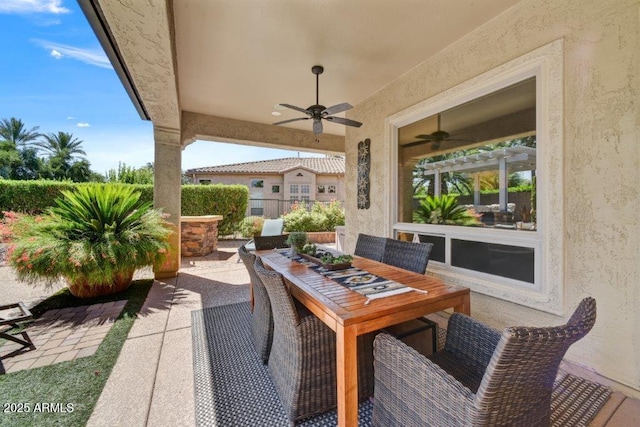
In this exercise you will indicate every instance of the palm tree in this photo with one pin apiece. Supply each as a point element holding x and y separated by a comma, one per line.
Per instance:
<point>14,131</point>
<point>63,150</point>
<point>62,146</point>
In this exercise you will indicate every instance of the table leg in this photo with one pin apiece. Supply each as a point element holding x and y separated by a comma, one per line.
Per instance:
<point>347,371</point>
<point>465,307</point>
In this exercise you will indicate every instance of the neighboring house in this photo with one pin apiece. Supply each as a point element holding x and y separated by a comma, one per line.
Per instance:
<point>273,184</point>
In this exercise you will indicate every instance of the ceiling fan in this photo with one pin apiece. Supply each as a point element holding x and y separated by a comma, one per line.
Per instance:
<point>319,112</point>
<point>435,138</point>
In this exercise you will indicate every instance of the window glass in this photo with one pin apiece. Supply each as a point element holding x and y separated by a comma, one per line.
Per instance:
<point>304,188</point>
<point>513,262</point>
<point>293,188</point>
<point>472,165</point>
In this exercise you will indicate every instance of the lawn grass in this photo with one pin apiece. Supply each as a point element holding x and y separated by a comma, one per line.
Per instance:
<point>75,385</point>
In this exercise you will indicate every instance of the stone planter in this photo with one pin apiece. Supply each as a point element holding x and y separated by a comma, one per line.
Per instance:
<point>322,237</point>
<point>199,234</point>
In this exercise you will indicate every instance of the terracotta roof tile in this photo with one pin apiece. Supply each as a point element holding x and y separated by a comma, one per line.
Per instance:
<point>319,165</point>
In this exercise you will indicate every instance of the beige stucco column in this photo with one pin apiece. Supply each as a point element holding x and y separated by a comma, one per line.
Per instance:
<point>167,192</point>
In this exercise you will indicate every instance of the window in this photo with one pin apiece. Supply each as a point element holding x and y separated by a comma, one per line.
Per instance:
<point>275,188</point>
<point>474,165</point>
<point>304,188</point>
<point>204,181</point>
<point>331,189</point>
<point>495,144</point>
<point>293,189</point>
<point>257,183</point>
<point>320,189</point>
<point>305,198</point>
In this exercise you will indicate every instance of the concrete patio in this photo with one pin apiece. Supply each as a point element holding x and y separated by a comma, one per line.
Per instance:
<point>152,383</point>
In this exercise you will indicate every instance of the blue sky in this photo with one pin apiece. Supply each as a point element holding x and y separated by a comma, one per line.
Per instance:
<point>55,75</point>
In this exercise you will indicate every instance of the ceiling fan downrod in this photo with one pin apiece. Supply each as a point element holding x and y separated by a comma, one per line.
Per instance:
<point>317,70</point>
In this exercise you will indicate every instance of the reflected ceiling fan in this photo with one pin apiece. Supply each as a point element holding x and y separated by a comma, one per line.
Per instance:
<point>318,112</point>
<point>435,138</point>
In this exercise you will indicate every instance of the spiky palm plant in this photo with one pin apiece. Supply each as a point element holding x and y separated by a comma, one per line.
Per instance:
<point>444,209</point>
<point>95,238</point>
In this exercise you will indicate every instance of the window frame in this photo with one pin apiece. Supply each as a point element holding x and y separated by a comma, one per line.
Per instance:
<point>547,294</point>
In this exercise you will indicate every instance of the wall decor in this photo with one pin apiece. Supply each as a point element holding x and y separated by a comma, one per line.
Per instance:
<point>364,167</point>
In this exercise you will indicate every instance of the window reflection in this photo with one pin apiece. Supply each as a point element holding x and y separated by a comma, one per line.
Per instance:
<point>474,164</point>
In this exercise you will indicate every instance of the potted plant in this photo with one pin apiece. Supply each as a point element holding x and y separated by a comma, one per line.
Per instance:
<point>297,240</point>
<point>94,238</point>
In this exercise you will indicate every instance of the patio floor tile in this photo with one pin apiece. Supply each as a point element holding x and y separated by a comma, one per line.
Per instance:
<point>66,356</point>
<point>64,334</point>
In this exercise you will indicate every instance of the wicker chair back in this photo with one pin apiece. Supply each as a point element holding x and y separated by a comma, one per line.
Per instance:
<point>262,318</point>
<point>407,255</point>
<point>524,366</point>
<point>371,247</point>
<point>271,242</point>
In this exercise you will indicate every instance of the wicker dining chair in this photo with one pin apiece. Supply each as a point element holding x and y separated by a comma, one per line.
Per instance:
<point>407,255</point>
<point>262,318</point>
<point>271,242</point>
<point>413,257</point>
<point>302,363</point>
<point>270,227</point>
<point>371,247</point>
<point>481,378</point>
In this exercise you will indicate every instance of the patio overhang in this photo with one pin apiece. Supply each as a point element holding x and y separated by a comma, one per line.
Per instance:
<point>195,71</point>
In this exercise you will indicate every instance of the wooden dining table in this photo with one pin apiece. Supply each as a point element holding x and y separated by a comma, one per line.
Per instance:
<point>348,314</point>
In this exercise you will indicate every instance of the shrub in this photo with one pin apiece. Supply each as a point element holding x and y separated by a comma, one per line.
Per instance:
<point>230,201</point>
<point>7,223</point>
<point>319,217</point>
<point>444,209</point>
<point>333,213</point>
<point>95,237</point>
<point>251,226</point>
<point>32,197</point>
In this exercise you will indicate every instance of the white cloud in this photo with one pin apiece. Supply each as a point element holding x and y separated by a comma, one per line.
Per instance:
<point>32,6</point>
<point>83,125</point>
<point>70,118</point>
<point>89,56</point>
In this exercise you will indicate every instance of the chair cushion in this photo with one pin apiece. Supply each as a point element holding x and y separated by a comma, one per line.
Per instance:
<point>272,227</point>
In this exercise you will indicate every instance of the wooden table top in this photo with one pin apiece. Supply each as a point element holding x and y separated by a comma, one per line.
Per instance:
<point>326,298</point>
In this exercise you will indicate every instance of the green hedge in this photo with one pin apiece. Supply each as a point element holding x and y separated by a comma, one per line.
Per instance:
<point>230,201</point>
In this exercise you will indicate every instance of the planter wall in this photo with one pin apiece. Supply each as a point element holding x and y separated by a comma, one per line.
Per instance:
<point>199,235</point>
<point>322,237</point>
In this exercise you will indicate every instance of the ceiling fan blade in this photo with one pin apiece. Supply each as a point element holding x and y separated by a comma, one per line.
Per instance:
<point>293,107</point>
<point>317,126</point>
<point>343,121</point>
<point>425,137</point>
<point>291,120</point>
<point>338,108</point>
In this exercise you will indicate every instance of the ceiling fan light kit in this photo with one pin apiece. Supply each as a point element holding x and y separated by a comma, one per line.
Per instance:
<point>318,112</point>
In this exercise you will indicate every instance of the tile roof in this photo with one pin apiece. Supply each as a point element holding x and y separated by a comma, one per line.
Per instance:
<point>319,165</point>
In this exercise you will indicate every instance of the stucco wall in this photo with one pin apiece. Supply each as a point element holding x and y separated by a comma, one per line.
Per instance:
<point>600,153</point>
